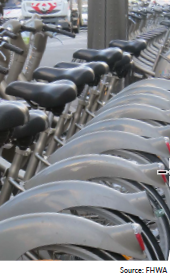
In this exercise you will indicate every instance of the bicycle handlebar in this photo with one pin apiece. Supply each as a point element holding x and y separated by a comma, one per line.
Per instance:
<point>13,48</point>
<point>57,30</point>
<point>28,29</point>
<point>8,34</point>
<point>63,32</point>
<point>3,70</point>
<point>49,28</point>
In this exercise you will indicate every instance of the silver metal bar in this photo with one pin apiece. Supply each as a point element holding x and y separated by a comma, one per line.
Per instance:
<point>15,184</point>
<point>12,172</point>
<point>42,159</point>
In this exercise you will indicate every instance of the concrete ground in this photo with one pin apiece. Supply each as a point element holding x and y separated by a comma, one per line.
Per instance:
<point>58,52</point>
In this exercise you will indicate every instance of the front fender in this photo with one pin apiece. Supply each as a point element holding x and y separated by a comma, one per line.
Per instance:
<point>128,125</point>
<point>23,233</point>
<point>164,131</point>
<point>108,141</point>
<point>147,99</point>
<point>135,111</point>
<point>89,167</point>
<point>152,82</point>
<point>145,89</point>
<point>57,196</point>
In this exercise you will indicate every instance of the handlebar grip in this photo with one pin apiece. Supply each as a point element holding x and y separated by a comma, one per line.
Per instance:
<point>28,29</point>
<point>13,48</point>
<point>3,70</point>
<point>49,28</point>
<point>63,32</point>
<point>9,34</point>
<point>59,31</point>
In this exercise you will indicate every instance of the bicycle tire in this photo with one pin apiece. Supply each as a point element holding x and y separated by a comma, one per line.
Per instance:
<point>151,244</point>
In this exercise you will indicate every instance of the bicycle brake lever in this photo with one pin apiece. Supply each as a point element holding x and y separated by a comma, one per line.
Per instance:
<point>1,53</point>
<point>4,57</point>
<point>58,39</point>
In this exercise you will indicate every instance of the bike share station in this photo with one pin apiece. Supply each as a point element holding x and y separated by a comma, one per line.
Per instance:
<point>89,184</point>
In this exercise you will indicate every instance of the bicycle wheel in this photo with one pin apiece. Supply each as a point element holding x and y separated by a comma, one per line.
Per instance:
<point>69,253</point>
<point>159,227</point>
<point>144,158</point>
<point>112,218</point>
<point>140,157</point>
<point>149,240</point>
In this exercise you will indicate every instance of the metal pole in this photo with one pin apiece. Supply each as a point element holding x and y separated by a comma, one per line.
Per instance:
<point>107,20</point>
<point>80,9</point>
<point>71,5</point>
<point>12,172</point>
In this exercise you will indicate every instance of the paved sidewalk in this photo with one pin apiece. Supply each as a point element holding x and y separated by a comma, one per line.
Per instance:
<point>56,52</point>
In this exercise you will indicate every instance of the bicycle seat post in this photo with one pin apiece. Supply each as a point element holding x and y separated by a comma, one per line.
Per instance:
<point>12,174</point>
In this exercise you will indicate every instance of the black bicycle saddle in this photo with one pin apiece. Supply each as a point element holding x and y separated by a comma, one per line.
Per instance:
<point>53,96</point>
<point>38,122</point>
<point>109,56</point>
<point>165,23</point>
<point>12,114</point>
<point>134,47</point>
<point>80,76</point>
<point>99,68</point>
<point>167,15</point>
<point>135,16</point>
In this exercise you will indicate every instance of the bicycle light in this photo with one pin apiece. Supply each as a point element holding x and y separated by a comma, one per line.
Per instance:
<point>162,171</point>
<point>167,143</point>
<point>138,230</point>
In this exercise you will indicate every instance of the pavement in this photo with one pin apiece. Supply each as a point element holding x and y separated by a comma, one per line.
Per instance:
<point>57,52</point>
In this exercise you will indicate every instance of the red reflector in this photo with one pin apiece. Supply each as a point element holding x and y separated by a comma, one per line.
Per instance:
<point>168,146</point>
<point>140,240</point>
<point>164,178</point>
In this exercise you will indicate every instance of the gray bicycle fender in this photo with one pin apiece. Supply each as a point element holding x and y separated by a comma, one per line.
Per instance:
<point>142,98</point>
<point>89,167</point>
<point>145,89</point>
<point>70,194</point>
<point>154,82</point>
<point>20,234</point>
<point>134,111</point>
<point>129,125</point>
<point>108,141</point>
<point>164,131</point>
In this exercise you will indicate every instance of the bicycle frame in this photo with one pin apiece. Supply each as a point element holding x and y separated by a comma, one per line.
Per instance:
<point>27,62</point>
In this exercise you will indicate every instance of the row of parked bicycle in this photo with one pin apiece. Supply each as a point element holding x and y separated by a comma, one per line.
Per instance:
<point>84,183</point>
